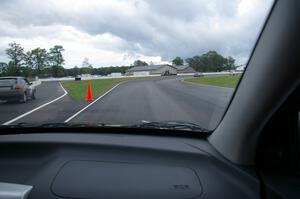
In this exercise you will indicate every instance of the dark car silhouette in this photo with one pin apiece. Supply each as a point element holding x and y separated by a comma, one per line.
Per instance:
<point>16,89</point>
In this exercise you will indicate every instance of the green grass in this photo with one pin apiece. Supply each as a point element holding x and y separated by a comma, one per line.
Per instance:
<point>78,89</point>
<point>221,81</point>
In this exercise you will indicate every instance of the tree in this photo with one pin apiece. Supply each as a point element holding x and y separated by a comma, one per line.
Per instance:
<point>139,63</point>
<point>3,68</point>
<point>210,62</point>
<point>86,70</point>
<point>230,64</point>
<point>86,64</point>
<point>28,59</point>
<point>39,59</point>
<point>56,60</point>
<point>177,61</point>
<point>12,70</point>
<point>16,54</point>
<point>55,56</point>
<point>76,71</point>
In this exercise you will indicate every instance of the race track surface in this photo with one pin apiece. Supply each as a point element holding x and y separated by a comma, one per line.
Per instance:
<point>167,99</point>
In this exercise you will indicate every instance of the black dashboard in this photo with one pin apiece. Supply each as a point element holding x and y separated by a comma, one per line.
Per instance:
<point>90,166</point>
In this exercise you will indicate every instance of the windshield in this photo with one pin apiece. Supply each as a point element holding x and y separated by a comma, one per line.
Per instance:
<point>137,63</point>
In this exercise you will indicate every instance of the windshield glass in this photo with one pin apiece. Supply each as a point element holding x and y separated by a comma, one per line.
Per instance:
<point>138,63</point>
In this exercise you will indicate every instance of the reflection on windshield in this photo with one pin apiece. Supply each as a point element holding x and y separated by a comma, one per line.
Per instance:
<point>123,63</point>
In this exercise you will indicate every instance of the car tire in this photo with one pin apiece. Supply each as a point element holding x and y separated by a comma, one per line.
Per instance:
<point>23,98</point>
<point>11,101</point>
<point>33,95</point>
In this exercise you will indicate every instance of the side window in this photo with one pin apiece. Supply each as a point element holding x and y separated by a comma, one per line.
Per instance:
<point>23,82</point>
<point>26,81</point>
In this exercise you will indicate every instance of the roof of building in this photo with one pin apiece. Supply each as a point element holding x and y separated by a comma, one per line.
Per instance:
<point>147,68</point>
<point>241,67</point>
<point>182,67</point>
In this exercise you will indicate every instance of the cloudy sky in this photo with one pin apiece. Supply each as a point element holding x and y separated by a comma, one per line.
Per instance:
<point>117,32</point>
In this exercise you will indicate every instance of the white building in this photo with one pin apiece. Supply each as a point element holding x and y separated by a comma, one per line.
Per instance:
<point>115,75</point>
<point>152,70</point>
<point>240,68</point>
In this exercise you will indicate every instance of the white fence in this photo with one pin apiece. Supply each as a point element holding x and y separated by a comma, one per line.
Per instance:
<point>108,77</point>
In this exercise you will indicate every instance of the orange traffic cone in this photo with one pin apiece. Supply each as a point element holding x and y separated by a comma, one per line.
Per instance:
<point>89,96</point>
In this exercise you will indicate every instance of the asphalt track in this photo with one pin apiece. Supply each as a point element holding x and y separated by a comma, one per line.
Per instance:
<point>45,92</point>
<point>129,103</point>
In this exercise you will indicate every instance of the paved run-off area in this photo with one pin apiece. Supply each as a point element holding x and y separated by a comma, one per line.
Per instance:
<point>129,103</point>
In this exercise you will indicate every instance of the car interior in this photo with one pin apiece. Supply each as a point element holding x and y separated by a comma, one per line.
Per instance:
<point>253,153</point>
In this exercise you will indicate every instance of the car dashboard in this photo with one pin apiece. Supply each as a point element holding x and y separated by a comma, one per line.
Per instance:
<point>89,165</point>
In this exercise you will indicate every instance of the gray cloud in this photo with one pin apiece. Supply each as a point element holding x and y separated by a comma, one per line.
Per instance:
<point>166,28</point>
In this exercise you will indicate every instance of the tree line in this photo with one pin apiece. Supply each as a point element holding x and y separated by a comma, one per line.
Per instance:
<point>43,63</point>
<point>208,62</point>
<point>35,62</point>
<point>103,71</point>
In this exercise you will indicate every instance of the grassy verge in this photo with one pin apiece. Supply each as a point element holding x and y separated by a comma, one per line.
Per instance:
<point>221,81</point>
<point>78,89</point>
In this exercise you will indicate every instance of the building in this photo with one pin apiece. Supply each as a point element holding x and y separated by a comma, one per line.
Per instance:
<point>240,68</point>
<point>164,69</point>
<point>184,69</point>
<point>115,75</point>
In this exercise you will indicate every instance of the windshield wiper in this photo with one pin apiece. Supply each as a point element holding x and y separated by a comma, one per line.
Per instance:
<point>171,125</point>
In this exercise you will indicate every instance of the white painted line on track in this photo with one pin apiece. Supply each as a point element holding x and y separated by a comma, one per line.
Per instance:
<point>37,108</point>
<point>76,114</point>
